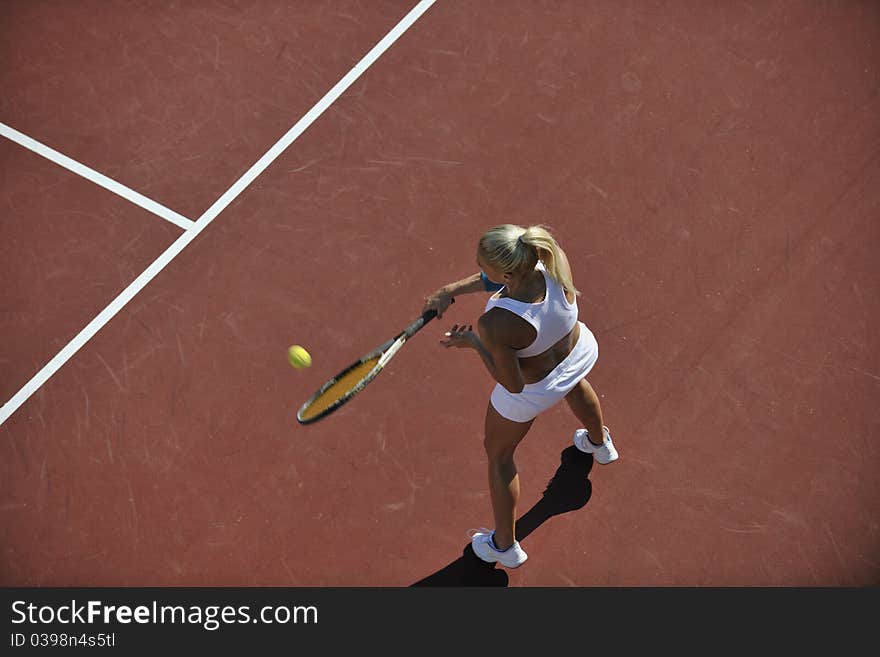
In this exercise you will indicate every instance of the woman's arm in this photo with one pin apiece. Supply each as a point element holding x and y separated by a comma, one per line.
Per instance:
<point>500,360</point>
<point>472,283</point>
<point>495,342</point>
<point>442,298</point>
<point>465,337</point>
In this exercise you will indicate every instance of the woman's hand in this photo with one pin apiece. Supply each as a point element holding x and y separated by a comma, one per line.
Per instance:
<point>439,301</point>
<point>460,336</point>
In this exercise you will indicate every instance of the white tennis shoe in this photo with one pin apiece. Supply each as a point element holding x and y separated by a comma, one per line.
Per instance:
<point>604,453</point>
<point>484,547</point>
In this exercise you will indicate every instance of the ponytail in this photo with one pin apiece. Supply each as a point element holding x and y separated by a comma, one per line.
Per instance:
<point>551,254</point>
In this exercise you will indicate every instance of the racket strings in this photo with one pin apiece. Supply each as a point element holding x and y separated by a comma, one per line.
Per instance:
<point>344,385</point>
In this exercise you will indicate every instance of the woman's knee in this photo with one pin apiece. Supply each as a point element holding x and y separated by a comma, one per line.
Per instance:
<point>500,445</point>
<point>498,450</point>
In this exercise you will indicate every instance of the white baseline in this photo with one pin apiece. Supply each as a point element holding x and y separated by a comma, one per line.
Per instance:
<point>211,213</point>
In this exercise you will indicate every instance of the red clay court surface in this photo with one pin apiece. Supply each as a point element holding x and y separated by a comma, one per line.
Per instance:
<point>712,169</point>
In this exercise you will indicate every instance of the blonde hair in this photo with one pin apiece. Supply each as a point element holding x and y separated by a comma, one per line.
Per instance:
<point>511,248</point>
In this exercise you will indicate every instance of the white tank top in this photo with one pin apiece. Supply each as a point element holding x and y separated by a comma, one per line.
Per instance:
<point>553,318</point>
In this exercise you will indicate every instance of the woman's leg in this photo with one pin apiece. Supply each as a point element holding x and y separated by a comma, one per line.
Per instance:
<point>584,403</point>
<point>502,437</point>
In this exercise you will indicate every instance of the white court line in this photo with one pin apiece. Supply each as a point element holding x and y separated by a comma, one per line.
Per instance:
<point>210,214</point>
<point>95,177</point>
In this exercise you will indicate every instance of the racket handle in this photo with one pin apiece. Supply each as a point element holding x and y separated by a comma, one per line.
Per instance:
<point>426,317</point>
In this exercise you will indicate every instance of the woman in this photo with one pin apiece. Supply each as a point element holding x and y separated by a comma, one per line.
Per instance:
<point>533,345</point>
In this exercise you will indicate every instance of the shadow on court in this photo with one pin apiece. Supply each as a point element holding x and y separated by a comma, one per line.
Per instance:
<point>568,490</point>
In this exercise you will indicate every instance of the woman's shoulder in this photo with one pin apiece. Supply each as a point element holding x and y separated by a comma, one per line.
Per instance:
<point>496,316</point>
<point>498,320</point>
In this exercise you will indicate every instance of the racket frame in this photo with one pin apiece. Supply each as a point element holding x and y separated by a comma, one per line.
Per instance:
<point>385,351</point>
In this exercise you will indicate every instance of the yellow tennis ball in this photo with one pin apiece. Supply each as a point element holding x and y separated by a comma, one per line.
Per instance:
<point>298,357</point>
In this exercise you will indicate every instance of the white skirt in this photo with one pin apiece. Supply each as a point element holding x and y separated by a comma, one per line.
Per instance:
<point>537,397</point>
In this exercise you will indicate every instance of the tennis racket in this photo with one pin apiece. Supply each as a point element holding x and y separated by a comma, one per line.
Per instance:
<point>354,378</point>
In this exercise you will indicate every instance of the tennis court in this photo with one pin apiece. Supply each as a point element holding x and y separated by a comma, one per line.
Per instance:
<point>189,188</point>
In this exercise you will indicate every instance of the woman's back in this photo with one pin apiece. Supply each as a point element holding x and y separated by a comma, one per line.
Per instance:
<point>541,326</point>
